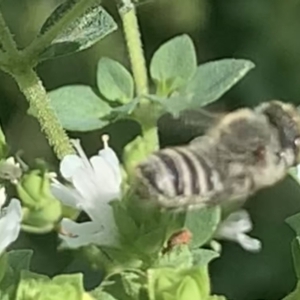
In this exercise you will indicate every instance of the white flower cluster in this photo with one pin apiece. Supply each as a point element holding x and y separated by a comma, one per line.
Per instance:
<point>94,183</point>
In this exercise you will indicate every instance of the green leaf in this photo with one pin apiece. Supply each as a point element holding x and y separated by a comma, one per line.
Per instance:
<point>202,257</point>
<point>124,258</point>
<point>36,286</point>
<point>209,83</point>
<point>99,294</point>
<point>202,224</point>
<point>124,221</point>
<point>132,284</point>
<point>19,259</point>
<point>3,265</point>
<point>293,172</point>
<point>122,111</point>
<point>3,145</point>
<point>151,242</point>
<point>171,283</point>
<point>4,295</point>
<point>178,257</point>
<point>294,222</point>
<point>216,297</point>
<point>213,79</point>
<point>114,81</point>
<point>296,255</point>
<point>79,108</point>
<point>81,34</point>
<point>295,295</point>
<point>173,64</point>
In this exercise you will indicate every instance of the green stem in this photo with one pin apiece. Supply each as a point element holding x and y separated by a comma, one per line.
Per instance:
<point>34,91</point>
<point>6,39</point>
<point>19,66</point>
<point>43,41</point>
<point>135,48</point>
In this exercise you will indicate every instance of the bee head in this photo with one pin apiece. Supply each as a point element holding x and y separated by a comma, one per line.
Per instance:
<point>286,119</point>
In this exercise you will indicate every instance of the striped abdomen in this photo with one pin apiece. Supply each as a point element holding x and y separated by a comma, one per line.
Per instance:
<point>179,171</point>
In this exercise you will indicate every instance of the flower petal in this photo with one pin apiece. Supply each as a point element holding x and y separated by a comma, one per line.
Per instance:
<point>10,224</point>
<point>237,222</point>
<point>2,197</point>
<point>110,156</point>
<point>248,243</point>
<point>67,195</point>
<point>234,228</point>
<point>94,195</point>
<point>87,233</point>
<point>69,165</point>
<point>105,174</point>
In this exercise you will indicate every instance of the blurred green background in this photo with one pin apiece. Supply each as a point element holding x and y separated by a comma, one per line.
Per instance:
<point>264,31</point>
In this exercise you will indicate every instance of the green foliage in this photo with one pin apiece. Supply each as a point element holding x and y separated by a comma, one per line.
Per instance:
<point>295,295</point>
<point>99,294</point>
<point>147,265</point>
<point>296,255</point>
<point>37,287</point>
<point>3,145</point>
<point>79,108</point>
<point>211,80</point>
<point>180,85</point>
<point>114,81</point>
<point>294,222</point>
<point>178,284</point>
<point>202,223</point>
<point>12,265</point>
<point>173,64</point>
<point>81,34</point>
<point>202,257</point>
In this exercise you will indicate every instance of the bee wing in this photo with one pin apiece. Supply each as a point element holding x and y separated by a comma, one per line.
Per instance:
<point>189,125</point>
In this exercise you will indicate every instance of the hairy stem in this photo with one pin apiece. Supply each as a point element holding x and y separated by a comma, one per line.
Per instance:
<point>134,45</point>
<point>19,66</point>
<point>144,113</point>
<point>34,91</point>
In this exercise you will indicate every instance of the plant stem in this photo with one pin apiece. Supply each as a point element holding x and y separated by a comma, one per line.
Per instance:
<point>145,111</point>
<point>19,66</point>
<point>134,44</point>
<point>7,41</point>
<point>69,15</point>
<point>34,91</point>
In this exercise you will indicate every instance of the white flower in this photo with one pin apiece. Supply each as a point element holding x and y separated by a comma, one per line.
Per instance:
<point>10,221</point>
<point>95,182</point>
<point>235,227</point>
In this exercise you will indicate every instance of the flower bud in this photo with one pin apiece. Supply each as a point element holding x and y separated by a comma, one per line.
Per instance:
<point>41,209</point>
<point>187,284</point>
<point>87,296</point>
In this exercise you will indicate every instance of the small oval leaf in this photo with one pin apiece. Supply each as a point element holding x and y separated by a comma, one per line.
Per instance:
<point>213,79</point>
<point>79,108</point>
<point>173,64</point>
<point>81,34</point>
<point>114,81</point>
<point>202,224</point>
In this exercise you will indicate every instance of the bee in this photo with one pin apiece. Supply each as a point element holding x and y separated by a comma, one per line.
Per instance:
<point>245,151</point>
